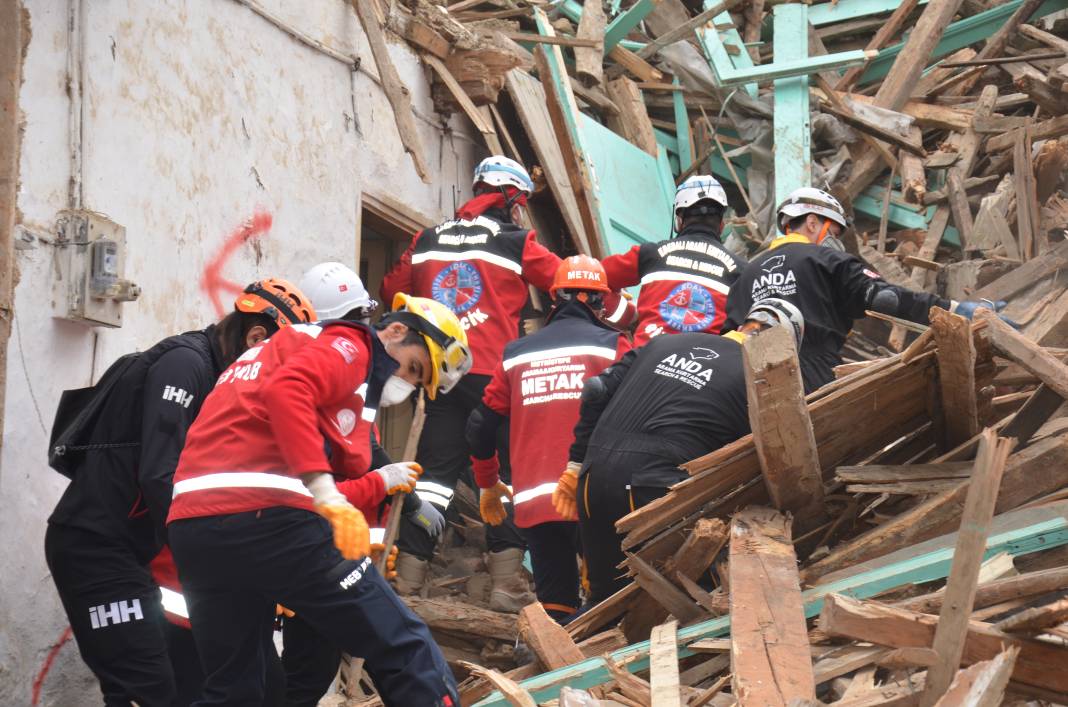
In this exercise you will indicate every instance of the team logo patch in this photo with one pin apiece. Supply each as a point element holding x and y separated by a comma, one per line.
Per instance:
<point>458,287</point>
<point>346,422</point>
<point>773,263</point>
<point>689,307</point>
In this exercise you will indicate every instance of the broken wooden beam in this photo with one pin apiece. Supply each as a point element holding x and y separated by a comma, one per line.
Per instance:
<point>770,657</point>
<point>956,375</point>
<point>1032,357</point>
<point>664,666</point>
<point>782,430</point>
<point>952,627</point>
<point>549,641</point>
<point>632,122</point>
<point>982,684</point>
<point>589,61</point>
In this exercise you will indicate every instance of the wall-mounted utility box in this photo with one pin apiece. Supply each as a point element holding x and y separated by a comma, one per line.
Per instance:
<point>91,256</point>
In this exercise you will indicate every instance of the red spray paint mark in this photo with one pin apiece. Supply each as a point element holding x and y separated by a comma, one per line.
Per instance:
<point>38,682</point>
<point>212,280</point>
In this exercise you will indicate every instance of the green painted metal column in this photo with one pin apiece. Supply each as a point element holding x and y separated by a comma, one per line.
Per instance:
<point>682,128</point>
<point>792,124</point>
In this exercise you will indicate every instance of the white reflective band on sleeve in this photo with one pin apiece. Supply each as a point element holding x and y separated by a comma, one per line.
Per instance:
<point>530,494</point>
<point>684,277</point>
<point>621,309</point>
<point>431,497</point>
<point>241,479</point>
<point>599,351</point>
<point>368,414</point>
<point>432,487</point>
<point>482,255</point>
<point>174,603</point>
<point>378,535</point>
<point>362,390</point>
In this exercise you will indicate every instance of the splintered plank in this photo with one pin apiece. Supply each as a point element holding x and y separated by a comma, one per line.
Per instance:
<point>956,375</point>
<point>1039,664</point>
<point>782,430</point>
<point>967,558</point>
<point>892,473</point>
<point>770,656</point>
<point>1016,347</point>
<point>464,101</point>
<point>1027,220</point>
<point>633,121</point>
<point>1026,275</point>
<point>396,91</point>
<point>589,61</point>
<point>1037,618</point>
<point>664,666</point>
<point>983,684</point>
<point>548,639</point>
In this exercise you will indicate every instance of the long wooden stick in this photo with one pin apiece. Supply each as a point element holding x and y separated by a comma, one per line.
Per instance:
<point>410,448</point>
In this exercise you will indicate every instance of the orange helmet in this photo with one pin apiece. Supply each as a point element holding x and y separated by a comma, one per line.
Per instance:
<point>277,298</point>
<point>580,272</point>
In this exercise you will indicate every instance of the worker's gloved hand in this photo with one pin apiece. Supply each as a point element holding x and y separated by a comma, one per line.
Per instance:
<point>391,559</point>
<point>399,476</point>
<point>490,505</point>
<point>428,517</point>
<point>280,610</point>
<point>968,310</point>
<point>564,496</point>
<point>351,534</point>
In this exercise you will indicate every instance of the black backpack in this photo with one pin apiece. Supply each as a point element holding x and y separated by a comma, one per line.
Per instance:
<point>77,415</point>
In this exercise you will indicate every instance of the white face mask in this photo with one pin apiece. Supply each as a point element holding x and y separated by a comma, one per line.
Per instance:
<point>395,391</point>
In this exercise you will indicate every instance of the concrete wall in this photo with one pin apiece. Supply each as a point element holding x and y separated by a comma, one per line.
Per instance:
<point>196,113</point>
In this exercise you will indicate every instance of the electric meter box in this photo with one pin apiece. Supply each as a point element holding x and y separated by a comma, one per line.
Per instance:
<point>91,253</point>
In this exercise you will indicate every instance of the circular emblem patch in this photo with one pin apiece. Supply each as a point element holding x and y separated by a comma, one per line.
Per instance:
<point>458,287</point>
<point>346,421</point>
<point>689,307</point>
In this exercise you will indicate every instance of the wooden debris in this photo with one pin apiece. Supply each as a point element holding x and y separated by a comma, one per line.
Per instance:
<point>547,639</point>
<point>1035,619</point>
<point>769,644</point>
<point>632,122</point>
<point>589,61</point>
<point>664,667</point>
<point>983,684</point>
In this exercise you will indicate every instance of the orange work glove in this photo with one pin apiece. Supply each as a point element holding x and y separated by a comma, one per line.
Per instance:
<point>490,505</point>
<point>280,610</point>
<point>351,534</point>
<point>399,476</point>
<point>564,496</point>
<point>391,559</point>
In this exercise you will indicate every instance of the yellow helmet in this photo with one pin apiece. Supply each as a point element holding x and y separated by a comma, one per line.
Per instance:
<point>445,339</point>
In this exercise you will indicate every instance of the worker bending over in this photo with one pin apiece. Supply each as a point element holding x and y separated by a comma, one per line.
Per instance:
<point>119,442</point>
<point>808,266</point>
<point>479,265</point>
<point>684,280</point>
<point>536,390</point>
<point>258,519</point>
<point>674,399</point>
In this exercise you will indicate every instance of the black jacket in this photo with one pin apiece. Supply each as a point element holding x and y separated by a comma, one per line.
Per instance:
<point>125,493</point>
<point>674,399</point>
<point>831,288</point>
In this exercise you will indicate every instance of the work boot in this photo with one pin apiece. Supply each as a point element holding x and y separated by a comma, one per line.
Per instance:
<point>509,590</point>
<point>411,573</point>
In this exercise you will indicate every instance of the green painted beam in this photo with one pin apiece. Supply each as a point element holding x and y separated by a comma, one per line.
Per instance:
<point>791,122</point>
<point>712,43</point>
<point>682,129</point>
<point>625,22</point>
<point>926,567</point>
<point>798,67</point>
<point>959,35</point>
<point>901,214</point>
<point>827,13</point>
<point>667,140</point>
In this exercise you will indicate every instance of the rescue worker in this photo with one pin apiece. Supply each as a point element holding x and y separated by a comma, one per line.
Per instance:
<point>536,390</point>
<point>257,517</point>
<point>479,265</point>
<point>672,400</point>
<point>119,442</point>
<point>311,660</point>
<point>807,265</point>
<point>684,280</point>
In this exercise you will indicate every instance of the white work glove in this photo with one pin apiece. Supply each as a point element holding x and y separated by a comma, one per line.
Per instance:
<point>399,476</point>
<point>428,517</point>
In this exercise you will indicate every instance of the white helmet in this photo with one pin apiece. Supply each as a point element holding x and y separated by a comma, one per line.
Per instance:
<point>700,187</point>
<point>779,312</point>
<point>499,171</point>
<point>809,200</point>
<point>335,290</point>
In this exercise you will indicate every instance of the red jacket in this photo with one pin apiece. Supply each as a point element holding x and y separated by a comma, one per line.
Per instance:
<point>301,402</point>
<point>538,387</point>
<point>684,283</point>
<point>479,268</point>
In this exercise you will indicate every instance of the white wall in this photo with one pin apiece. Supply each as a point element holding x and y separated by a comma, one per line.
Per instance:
<point>197,112</point>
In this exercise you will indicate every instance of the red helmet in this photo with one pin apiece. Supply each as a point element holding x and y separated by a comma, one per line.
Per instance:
<point>277,298</point>
<point>580,272</point>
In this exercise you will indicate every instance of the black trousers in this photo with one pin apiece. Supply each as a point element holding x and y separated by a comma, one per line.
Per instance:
<point>554,550</point>
<point>310,661</point>
<point>115,614</point>
<point>234,568</point>
<point>446,460</point>
<point>189,676</point>
<point>604,497</point>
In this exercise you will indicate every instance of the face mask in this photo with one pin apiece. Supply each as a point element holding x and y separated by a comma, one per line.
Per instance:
<point>832,243</point>
<point>395,391</point>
